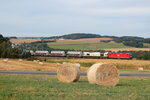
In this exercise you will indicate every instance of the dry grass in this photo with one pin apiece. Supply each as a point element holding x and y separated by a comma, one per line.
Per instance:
<point>15,65</point>
<point>19,41</point>
<point>121,64</point>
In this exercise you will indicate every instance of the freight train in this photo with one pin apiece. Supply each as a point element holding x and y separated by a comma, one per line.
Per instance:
<point>81,54</point>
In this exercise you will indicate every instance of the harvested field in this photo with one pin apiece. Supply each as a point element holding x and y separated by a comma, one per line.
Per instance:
<point>51,64</point>
<point>15,65</point>
<point>24,65</point>
<point>19,41</point>
<point>121,64</point>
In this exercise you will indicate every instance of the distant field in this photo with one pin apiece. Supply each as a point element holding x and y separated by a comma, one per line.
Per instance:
<point>147,44</point>
<point>19,41</point>
<point>86,44</point>
<point>46,87</point>
<point>128,49</point>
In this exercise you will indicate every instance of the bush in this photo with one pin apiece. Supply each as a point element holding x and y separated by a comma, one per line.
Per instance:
<point>145,56</point>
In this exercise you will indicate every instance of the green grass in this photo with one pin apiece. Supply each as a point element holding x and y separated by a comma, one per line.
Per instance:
<point>147,45</point>
<point>84,64</point>
<point>36,87</point>
<point>86,46</point>
<point>133,70</point>
<point>129,66</point>
<point>56,61</point>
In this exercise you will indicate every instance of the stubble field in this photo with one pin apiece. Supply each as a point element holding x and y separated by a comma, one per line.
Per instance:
<point>51,64</point>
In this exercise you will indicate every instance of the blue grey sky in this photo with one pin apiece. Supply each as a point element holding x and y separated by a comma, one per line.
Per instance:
<point>58,17</point>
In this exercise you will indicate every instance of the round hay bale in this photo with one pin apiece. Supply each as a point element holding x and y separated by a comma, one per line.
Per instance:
<point>41,63</point>
<point>5,60</point>
<point>20,60</point>
<point>140,69</point>
<point>34,60</point>
<point>68,72</point>
<point>103,74</point>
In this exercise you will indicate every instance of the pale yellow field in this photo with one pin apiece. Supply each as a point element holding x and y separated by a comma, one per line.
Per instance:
<point>114,61</point>
<point>19,41</point>
<point>123,64</point>
<point>15,65</point>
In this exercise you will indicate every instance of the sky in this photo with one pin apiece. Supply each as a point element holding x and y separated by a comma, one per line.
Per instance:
<point>38,18</point>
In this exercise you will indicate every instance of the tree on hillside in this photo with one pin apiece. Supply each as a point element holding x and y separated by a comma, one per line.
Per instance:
<point>6,50</point>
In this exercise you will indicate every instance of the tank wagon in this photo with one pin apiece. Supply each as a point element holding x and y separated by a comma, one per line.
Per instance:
<point>58,53</point>
<point>40,53</point>
<point>81,54</point>
<point>74,54</point>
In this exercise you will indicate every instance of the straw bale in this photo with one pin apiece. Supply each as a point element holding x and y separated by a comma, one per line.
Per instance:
<point>103,74</point>
<point>140,69</point>
<point>34,60</point>
<point>41,63</point>
<point>20,60</point>
<point>5,60</point>
<point>68,72</point>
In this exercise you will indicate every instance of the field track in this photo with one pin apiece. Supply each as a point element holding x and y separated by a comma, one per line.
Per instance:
<point>82,73</point>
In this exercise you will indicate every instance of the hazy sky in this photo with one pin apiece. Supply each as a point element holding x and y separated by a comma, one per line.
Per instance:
<point>57,17</point>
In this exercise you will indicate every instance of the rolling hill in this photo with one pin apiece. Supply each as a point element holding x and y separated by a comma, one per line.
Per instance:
<point>85,44</point>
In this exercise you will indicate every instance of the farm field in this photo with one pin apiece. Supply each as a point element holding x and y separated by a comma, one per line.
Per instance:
<point>85,44</point>
<point>147,44</point>
<point>19,41</point>
<point>127,49</point>
<point>121,64</point>
<point>16,65</point>
<point>45,87</point>
<point>51,64</point>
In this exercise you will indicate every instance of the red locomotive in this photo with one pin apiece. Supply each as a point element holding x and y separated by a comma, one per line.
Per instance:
<point>120,55</point>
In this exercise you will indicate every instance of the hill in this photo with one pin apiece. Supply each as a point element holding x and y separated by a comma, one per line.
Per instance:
<point>86,44</point>
<point>75,36</point>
